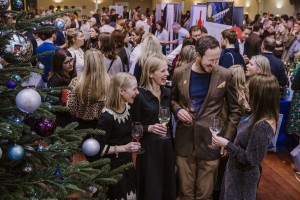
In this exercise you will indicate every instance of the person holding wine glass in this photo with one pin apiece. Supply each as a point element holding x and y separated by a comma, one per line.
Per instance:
<point>209,84</point>
<point>117,143</point>
<point>253,137</point>
<point>155,167</point>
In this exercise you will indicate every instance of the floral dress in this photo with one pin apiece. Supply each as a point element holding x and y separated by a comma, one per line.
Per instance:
<point>294,120</point>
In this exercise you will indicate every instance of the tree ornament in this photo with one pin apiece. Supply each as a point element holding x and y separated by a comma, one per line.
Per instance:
<point>15,152</point>
<point>19,48</point>
<point>40,65</point>
<point>57,172</point>
<point>17,4</point>
<point>16,77</point>
<point>11,84</point>
<point>28,100</point>
<point>90,147</point>
<point>27,167</point>
<point>45,127</point>
<point>4,4</point>
<point>0,153</point>
<point>60,24</point>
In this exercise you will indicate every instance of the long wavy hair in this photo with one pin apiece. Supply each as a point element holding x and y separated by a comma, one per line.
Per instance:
<point>186,55</point>
<point>107,46</point>
<point>239,80</point>
<point>94,81</point>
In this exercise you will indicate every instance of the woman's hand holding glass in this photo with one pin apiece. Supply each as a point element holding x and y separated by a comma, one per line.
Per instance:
<point>137,133</point>
<point>159,129</point>
<point>164,118</point>
<point>132,147</point>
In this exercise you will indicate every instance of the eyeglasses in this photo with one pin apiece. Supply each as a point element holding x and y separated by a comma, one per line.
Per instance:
<point>69,61</point>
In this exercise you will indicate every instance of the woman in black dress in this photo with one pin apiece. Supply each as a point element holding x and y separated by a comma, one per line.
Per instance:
<point>115,120</point>
<point>155,167</point>
<point>253,137</point>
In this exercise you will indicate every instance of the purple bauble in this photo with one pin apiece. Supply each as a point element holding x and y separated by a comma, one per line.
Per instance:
<point>11,84</point>
<point>44,127</point>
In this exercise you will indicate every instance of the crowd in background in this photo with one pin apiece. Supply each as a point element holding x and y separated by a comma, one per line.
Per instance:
<point>121,70</point>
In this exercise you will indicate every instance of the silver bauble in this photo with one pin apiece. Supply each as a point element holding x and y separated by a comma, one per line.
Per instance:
<point>18,49</point>
<point>90,147</point>
<point>4,4</point>
<point>28,100</point>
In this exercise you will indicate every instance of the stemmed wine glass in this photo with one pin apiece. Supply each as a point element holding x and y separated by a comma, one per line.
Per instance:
<point>215,127</point>
<point>192,110</point>
<point>137,134</point>
<point>164,118</point>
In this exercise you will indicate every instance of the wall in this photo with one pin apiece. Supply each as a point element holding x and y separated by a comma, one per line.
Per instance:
<point>279,7</point>
<point>91,5</point>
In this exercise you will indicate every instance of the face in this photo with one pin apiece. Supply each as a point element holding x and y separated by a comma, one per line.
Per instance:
<point>93,33</point>
<point>290,24</point>
<point>68,64</point>
<point>160,76</point>
<point>281,28</point>
<point>296,27</point>
<point>245,34</point>
<point>130,93</point>
<point>158,27</point>
<point>175,30</point>
<point>79,40</point>
<point>209,60</point>
<point>134,37</point>
<point>196,35</point>
<point>252,69</point>
<point>143,17</point>
<point>223,43</point>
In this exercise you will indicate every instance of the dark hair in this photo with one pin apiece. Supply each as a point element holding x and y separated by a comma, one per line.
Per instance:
<point>107,46</point>
<point>139,31</point>
<point>46,34</point>
<point>118,37</point>
<point>194,29</point>
<point>161,24</point>
<point>257,26</point>
<point>57,66</point>
<point>105,19</point>
<point>264,97</point>
<point>285,17</point>
<point>188,41</point>
<point>203,29</point>
<point>206,42</point>
<point>269,43</point>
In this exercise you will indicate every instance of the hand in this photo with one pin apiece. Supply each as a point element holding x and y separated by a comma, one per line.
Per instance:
<point>184,116</point>
<point>132,147</point>
<point>223,152</point>
<point>219,141</point>
<point>246,59</point>
<point>157,129</point>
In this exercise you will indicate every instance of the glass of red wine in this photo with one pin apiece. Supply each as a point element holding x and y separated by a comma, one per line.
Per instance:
<point>137,134</point>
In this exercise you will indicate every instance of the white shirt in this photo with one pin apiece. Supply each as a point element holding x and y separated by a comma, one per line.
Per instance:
<point>241,47</point>
<point>162,36</point>
<point>78,55</point>
<point>182,33</point>
<point>106,28</point>
<point>174,53</point>
<point>142,24</point>
<point>137,51</point>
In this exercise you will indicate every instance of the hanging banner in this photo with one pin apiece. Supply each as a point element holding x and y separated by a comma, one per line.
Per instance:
<point>220,13</point>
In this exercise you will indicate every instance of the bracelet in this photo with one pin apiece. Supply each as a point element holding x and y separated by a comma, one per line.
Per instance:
<point>116,152</point>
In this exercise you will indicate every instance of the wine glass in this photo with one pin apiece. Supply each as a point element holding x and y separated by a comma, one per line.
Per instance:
<point>215,127</point>
<point>192,111</point>
<point>137,134</point>
<point>164,118</point>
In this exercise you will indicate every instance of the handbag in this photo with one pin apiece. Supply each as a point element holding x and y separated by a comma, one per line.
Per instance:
<point>296,156</point>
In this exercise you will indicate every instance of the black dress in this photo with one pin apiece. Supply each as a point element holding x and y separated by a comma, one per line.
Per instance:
<point>155,167</point>
<point>117,127</point>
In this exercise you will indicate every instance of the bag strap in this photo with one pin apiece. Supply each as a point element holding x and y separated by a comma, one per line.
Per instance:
<point>110,65</point>
<point>231,57</point>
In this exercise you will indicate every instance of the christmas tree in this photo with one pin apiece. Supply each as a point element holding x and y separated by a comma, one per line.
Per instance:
<point>35,154</point>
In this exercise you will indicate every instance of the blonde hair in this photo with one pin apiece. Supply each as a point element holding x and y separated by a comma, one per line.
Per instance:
<point>150,46</point>
<point>71,36</point>
<point>121,80</point>
<point>94,81</point>
<point>263,63</point>
<point>151,65</point>
<point>239,80</point>
<point>186,55</point>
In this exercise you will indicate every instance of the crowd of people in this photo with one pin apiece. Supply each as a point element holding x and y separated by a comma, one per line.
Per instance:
<point>120,72</point>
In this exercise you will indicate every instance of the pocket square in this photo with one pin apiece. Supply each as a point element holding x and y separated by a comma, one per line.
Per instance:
<point>222,85</point>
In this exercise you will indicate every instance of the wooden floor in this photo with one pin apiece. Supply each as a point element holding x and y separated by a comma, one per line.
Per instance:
<point>278,178</point>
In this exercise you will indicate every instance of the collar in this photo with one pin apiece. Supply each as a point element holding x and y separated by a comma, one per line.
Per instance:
<point>149,96</point>
<point>266,52</point>
<point>48,41</point>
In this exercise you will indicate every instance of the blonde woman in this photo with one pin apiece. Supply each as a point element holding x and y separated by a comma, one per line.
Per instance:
<point>258,65</point>
<point>186,55</point>
<point>150,46</point>
<point>116,145</point>
<point>239,80</point>
<point>88,94</point>
<point>75,40</point>
<point>155,167</point>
